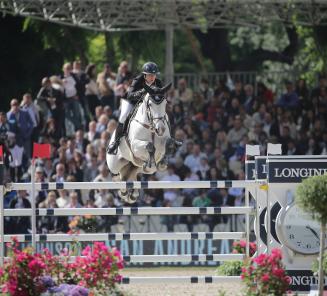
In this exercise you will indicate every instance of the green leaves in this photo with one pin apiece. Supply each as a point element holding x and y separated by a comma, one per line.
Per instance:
<point>311,196</point>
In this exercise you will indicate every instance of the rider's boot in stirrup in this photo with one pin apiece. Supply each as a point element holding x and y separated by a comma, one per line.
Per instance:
<point>112,148</point>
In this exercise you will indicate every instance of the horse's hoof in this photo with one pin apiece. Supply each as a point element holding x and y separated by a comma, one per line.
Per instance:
<point>162,166</point>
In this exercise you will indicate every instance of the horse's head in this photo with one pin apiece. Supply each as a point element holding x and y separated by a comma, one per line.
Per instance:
<point>156,102</point>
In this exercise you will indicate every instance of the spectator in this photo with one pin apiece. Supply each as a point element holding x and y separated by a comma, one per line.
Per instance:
<point>20,224</point>
<point>60,175</point>
<point>183,93</point>
<point>92,134</point>
<point>235,134</point>
<point>171,194</point>
<point>289,99</point>
<point>193,160</point>
<point>73,108</point>
<point>107,96</point>
<point>92,92</point>
<point>104,175</point>
<point>22,126</point>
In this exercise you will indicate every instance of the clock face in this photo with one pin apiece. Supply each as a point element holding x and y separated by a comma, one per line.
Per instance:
<point>299,232</point>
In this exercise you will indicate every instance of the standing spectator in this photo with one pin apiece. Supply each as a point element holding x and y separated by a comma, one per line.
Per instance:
<point>28,106</point>
<point>249,100</point>
<point>22,126</point>
<point>123,76</point>
<point>107,96</point>
<point>74,111</point>
<point>92,91</point>
<point>16,163</point>
<point>81,80</point>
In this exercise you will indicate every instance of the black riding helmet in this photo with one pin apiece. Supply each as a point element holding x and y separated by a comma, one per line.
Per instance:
<point>150,68</point>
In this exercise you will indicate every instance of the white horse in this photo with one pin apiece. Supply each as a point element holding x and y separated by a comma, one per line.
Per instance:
<point>146,144</point>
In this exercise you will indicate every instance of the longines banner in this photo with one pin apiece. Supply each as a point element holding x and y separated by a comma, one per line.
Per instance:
<point>294,170</point>
<point>302,280</point>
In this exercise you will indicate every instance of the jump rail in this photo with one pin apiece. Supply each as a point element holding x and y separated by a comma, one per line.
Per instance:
<point>132,185</point>
<point>181,280</point>
<point>183,258</point>
<point>132,211</point>
<point>90,237</point>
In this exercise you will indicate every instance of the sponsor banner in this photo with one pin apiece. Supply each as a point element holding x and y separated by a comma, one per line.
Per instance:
<point>261,168</point>
<point>156,247</point>
<point>302,280</point>
<point>249,170</point>
<point>295,171</point>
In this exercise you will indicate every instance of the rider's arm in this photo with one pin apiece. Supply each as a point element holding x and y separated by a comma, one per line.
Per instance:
<point>136,90</point>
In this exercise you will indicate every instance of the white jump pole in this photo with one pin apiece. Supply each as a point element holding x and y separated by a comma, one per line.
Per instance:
<point>132,211</point>
<point>132,185</point>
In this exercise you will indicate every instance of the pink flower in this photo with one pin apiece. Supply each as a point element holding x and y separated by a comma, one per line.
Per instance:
<point>265,277</point>
<point>279,272</point>
<point>243,244</point>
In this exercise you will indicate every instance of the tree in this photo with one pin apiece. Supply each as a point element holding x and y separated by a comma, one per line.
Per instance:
<point>311,196</point>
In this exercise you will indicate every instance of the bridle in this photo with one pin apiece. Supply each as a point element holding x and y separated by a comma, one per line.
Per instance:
<point>151,118</point>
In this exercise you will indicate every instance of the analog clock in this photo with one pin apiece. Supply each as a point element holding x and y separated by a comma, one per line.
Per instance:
<point>298,231</point>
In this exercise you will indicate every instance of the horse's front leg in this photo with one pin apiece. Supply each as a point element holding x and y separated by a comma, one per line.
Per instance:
<point>145,151</point>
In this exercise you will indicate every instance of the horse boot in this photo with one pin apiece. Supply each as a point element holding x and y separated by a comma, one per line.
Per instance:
<point>112,148</point>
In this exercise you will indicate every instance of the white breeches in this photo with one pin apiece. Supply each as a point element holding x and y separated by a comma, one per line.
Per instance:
<point>125,108</point>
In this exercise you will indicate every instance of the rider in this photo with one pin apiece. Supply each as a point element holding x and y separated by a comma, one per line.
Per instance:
<point>135,92</point>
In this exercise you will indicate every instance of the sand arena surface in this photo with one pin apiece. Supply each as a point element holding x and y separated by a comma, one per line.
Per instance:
<point>177,289</point>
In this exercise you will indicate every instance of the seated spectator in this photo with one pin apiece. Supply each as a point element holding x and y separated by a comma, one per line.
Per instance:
<point>20,224</point>
<point>236,134</point>
<point>104,175</point>
<point>183,93</point>
<point>92,134</point>
<point>171,194</point>
<point>60,175</point>
<point>64,199</point>
<point>49,224</point>
<point>290,98</point>
<point>193,160</point>
<point>91,169</point>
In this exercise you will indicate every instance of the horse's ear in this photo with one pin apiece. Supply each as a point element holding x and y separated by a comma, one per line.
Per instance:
<point>164,89</point>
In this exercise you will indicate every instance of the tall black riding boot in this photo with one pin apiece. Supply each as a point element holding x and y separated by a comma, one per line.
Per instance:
<point>112,148</point>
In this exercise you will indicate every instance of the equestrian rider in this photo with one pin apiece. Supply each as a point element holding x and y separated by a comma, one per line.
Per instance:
<point>135,92</point>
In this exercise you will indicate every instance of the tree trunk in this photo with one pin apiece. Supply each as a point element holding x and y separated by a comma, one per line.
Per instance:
<point>321,258</point>
<point>110,50</point>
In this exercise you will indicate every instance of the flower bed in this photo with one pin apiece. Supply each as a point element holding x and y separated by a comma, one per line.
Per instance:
<point>29,274</point>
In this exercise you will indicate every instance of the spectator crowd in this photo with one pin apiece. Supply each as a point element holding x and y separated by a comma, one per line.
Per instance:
<point>76,113</point>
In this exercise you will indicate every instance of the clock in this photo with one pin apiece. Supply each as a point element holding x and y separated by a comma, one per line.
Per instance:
<point>298,231</point>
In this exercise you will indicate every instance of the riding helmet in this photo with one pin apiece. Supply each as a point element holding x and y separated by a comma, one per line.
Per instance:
<point>150,68</point>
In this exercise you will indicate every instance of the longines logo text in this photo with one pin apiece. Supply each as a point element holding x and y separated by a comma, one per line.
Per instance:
<point>298,172</point>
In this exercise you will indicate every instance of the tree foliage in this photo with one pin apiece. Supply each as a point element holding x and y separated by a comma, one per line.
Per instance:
<point>311,196</point>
